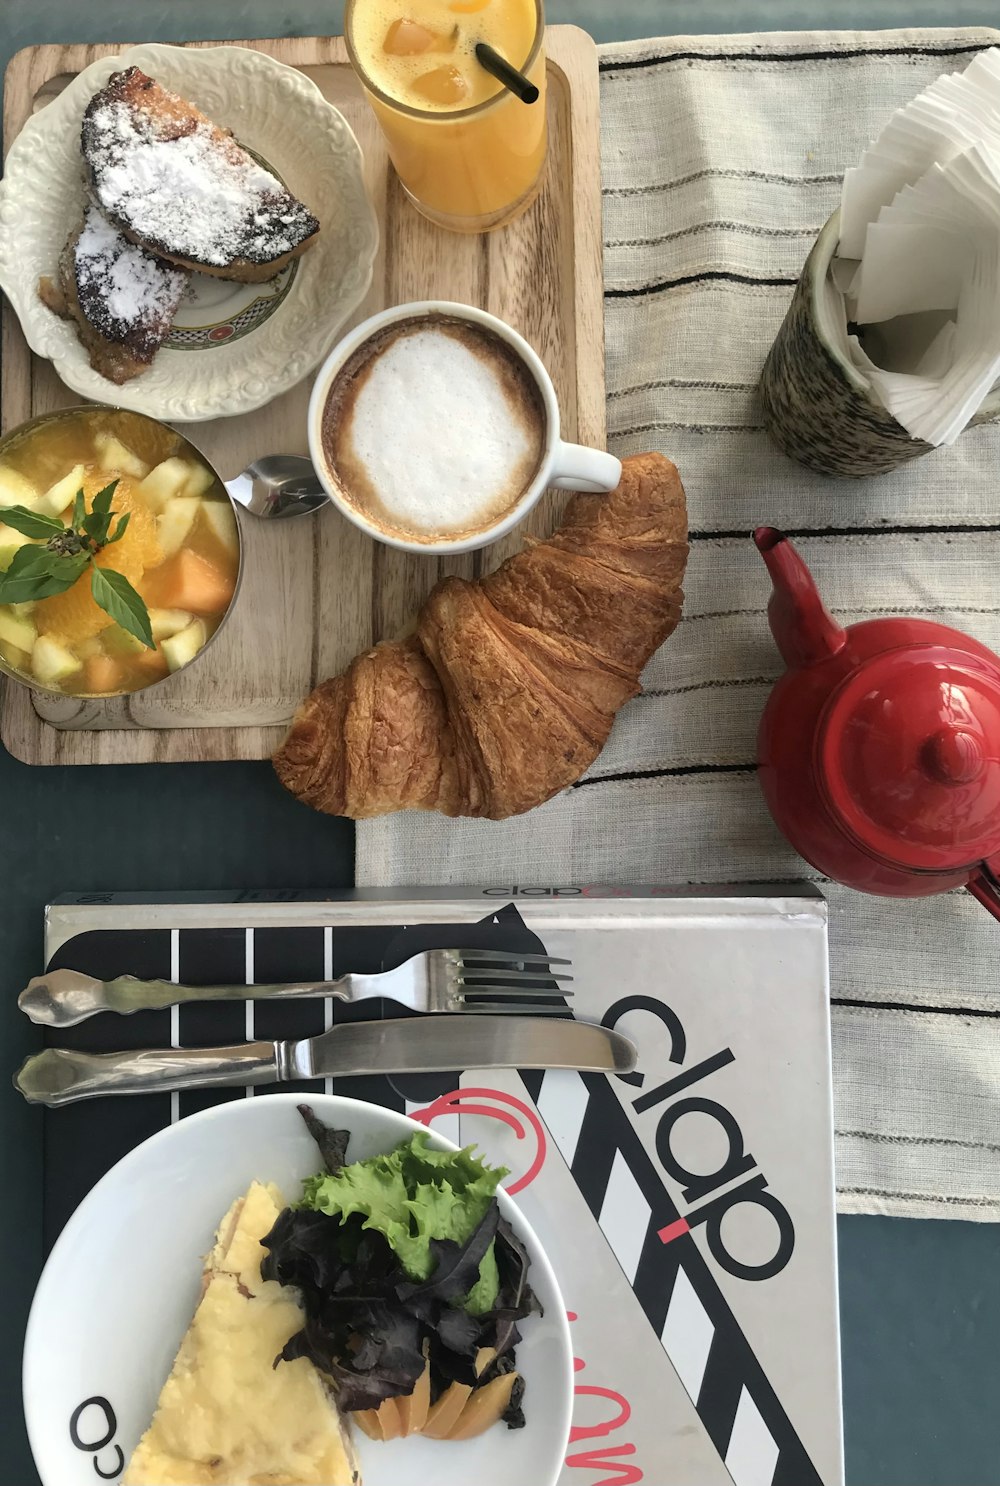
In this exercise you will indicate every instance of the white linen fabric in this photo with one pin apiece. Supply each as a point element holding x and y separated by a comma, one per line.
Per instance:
<point>721,158</point>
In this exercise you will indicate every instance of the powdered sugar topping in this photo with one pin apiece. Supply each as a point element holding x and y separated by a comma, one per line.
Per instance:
<point>196,195</point>
<point>122,288</point>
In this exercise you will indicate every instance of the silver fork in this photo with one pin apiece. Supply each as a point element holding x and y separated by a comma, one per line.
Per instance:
<point>484,981</point>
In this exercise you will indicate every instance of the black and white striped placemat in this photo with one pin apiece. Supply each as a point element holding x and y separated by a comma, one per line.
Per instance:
<point>671,1388</point>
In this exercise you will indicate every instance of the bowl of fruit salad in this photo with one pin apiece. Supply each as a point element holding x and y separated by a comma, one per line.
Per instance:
<point>120,552</point>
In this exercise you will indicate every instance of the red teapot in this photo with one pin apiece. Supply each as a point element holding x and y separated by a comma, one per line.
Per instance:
<point>879,748</point>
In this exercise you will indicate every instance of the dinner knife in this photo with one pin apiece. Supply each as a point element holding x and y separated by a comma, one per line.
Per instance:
<point>438,1044</point>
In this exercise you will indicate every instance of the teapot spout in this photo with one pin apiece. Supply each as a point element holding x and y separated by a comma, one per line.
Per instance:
<point>803,629</point>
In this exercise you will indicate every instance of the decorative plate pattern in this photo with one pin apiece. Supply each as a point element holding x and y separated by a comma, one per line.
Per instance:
<point>279,114</point>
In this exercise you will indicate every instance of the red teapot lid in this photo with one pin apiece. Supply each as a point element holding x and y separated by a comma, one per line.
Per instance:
<point>908,757</point>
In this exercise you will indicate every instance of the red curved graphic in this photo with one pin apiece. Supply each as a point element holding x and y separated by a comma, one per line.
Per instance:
<point>458,1099</point>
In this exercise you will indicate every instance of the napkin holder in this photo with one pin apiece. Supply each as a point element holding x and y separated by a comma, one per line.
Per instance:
<point>817,406</point>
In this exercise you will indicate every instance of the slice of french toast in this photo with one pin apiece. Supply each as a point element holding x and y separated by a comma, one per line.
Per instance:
<point>122,298</point>
<point>183,188</point>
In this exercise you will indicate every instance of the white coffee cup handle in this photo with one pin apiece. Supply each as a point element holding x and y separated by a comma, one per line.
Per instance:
<point>578,468</point>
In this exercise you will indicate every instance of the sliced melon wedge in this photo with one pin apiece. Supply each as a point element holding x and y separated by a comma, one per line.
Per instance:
<point>485,1408</point>
<point>444,1415</point>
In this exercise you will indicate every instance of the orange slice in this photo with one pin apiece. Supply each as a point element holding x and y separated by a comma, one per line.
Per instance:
<point>73,614</point>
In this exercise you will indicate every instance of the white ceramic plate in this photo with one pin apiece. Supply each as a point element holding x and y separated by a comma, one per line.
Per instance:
<point>121,1285</point>
<point>233,347</point>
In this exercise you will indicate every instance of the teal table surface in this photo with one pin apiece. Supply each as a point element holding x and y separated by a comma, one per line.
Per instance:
<point>920,1301</point>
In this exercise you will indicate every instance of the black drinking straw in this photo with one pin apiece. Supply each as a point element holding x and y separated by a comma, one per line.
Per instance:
<point>514,81</point>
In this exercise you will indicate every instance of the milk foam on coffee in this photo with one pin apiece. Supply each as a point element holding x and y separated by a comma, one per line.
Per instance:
<point>435,429</point>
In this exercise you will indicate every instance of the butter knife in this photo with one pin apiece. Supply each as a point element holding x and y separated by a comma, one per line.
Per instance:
<point>437,1044</point>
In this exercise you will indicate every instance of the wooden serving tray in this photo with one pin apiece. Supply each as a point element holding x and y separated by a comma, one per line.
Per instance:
<point>316,592</point>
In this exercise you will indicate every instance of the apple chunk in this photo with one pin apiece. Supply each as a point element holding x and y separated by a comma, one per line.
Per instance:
<point>175,522</point>
<point>164,481</point>
<point>116,457</point>
<point>52,662</point>
<point>15,489</point>
<point>60,496</point>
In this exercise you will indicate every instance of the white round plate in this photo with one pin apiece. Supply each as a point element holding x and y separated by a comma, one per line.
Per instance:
<point>233,347</point>
<point>121,1285</point>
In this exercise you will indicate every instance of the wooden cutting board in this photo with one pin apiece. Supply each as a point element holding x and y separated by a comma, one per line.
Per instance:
<point>317,591</point>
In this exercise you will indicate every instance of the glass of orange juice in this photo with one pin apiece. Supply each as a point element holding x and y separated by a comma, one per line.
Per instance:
<point>468,152</point>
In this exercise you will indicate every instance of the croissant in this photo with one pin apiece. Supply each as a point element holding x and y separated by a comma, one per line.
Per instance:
<point>506,691</point>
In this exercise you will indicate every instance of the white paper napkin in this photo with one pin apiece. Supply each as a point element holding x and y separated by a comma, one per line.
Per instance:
<point>919,254</point>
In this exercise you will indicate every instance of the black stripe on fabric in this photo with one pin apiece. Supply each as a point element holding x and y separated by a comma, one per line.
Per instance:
<point>633,64</point>
<point>685,384</point>
<point>919,1197</point>
<point>718,685</point>
<point>744,229</point>
<point>911,609</point>
<point>680,772</point>
<point>708,275</point>
<point>930,1140</point>
<point>908,1006</point>
<point>719,172</point>
<point>896,529</point>
<point>662,425</point>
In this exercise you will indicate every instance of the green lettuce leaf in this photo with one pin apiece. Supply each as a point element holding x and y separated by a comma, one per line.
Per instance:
<point>413,1195</point>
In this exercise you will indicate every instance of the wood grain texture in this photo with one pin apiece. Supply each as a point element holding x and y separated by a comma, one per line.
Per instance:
<point>316,592</point>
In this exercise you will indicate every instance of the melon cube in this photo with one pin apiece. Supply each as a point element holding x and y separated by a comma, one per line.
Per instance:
<point>52,662</point>
<point>176,521</point>
<point>17,631</point>
<point>60,496</point>
<point>189,581</point>
<point>102,674</point>
<point>164,481</point>
<point>117,458</point>
<point>15,489</point>
<point>182,648</point>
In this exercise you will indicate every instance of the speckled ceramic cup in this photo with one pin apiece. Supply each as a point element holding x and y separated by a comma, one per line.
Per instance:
<point>817,406</point>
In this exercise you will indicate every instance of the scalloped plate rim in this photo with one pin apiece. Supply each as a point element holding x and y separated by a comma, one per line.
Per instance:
<point>56,340</point>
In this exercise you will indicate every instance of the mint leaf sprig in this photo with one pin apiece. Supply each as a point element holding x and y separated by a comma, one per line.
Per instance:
<point>68,551</point>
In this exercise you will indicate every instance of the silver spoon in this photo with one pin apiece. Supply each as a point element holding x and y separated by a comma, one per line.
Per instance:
<point>279,485</point>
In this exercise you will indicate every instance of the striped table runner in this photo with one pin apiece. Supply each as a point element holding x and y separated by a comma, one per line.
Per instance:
<point>721,159</point>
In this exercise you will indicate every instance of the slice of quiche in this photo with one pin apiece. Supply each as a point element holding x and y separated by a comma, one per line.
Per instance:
<point>227,1416</point>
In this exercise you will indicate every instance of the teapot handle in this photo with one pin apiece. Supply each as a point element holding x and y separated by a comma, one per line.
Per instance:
<point>984,887</point>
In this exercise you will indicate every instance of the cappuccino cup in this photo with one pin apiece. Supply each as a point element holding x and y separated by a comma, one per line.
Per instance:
<point>434,427</point>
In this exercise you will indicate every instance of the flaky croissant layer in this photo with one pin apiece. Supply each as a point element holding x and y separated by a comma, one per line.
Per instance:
<point>507,689</point>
